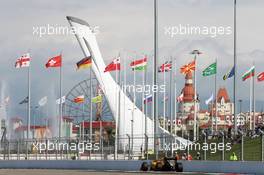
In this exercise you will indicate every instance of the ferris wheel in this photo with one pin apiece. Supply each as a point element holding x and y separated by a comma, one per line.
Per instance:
<point>80,111</point>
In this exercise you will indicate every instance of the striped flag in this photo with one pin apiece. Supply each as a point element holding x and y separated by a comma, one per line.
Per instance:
<point>261,76</point>
<point>84,63</point>
<point>250,73</point>
<point>139,65</point>
<point>148,99</point>
<point>79,99</point>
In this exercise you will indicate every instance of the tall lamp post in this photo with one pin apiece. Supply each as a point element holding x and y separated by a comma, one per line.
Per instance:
<point>195,53</point>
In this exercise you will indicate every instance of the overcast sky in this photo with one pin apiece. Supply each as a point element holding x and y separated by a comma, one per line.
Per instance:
<point>125,26</point>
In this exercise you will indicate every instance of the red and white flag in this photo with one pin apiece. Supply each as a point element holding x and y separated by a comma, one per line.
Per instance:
<point>23,61</point>
<point>79,99</point>
<point>114,65</point>
<point>180,98</point>
<point>54,62</point>
<point>261,76</point>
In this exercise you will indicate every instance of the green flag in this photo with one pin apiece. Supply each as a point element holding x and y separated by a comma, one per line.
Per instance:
<point>210,70</point>
<point>97,99</point>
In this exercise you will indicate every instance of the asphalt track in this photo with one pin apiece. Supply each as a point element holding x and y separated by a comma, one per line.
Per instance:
<point>84,172</point>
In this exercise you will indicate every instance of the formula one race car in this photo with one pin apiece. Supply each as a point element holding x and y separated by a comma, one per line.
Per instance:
<point>162,165</point>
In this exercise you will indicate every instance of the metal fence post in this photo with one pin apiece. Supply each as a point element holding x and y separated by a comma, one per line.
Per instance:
<point>242,149</point>
<point>188,145</point>
<point>262,145</point>
<point>129,155</point>
<point>146,146</point>
<point>205,135</point>
<point>18,156</point>
<point>242,144</point>
<point>8,147</point>
<point>223,142</point>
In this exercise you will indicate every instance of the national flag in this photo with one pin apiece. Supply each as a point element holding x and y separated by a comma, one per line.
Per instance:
<point>261,77</point>
<point>79,99</point>
<point>180,98</point>
<point>23,61</point>
<point>210,70</point>
<point>43,101</point>
<point>97,99</point>
<point>114,65</point>
<point>6,100</point>
<point>166,67</point>
<point>62,99</point>
<point>84,63</point>
<point>148,99</point>
<point>209,99</point>
<point>54,62</point>
<point>140,64</point>
<point>24,101</point>
<point>250,73</point>
<point>230,74</point>
<point>165,99</point>
<point>188,67</point>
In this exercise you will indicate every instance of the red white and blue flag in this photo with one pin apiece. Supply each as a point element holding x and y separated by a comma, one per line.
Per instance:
<point>148,99</point>
<point>166,67</point>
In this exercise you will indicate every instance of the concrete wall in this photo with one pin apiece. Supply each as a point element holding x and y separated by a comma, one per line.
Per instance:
<point>125,165</point>
<point>248,167</point>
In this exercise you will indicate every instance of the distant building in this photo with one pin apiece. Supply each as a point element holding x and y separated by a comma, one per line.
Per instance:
<point>224,105</point>
<point>187,104</point>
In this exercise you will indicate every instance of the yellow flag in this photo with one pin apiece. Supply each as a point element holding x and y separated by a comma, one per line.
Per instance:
<point>97,99</point>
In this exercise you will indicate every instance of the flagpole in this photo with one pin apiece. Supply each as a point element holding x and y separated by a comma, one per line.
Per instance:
<point>119,103</point>
<point>164,103</point>
<point>195,98</point>
<point>83,122</point>
<point>60,107</point>
<point>155,59</point>
<point>212,118</point>
<point>133,112</point>
<point>170,111</point>
<point>216,96</point>
<point>117,99</point>
<point>143,107</point>
<point>29,114</point>
<point>235,67</point>
<point>91,112</point>
<point>175,98</point>
<point>145,112</point>
<point>124,97</point>
<point>250,102</point>
<point>254,98</point>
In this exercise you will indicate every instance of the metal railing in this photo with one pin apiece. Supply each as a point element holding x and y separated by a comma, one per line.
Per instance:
<point>246,148</point>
